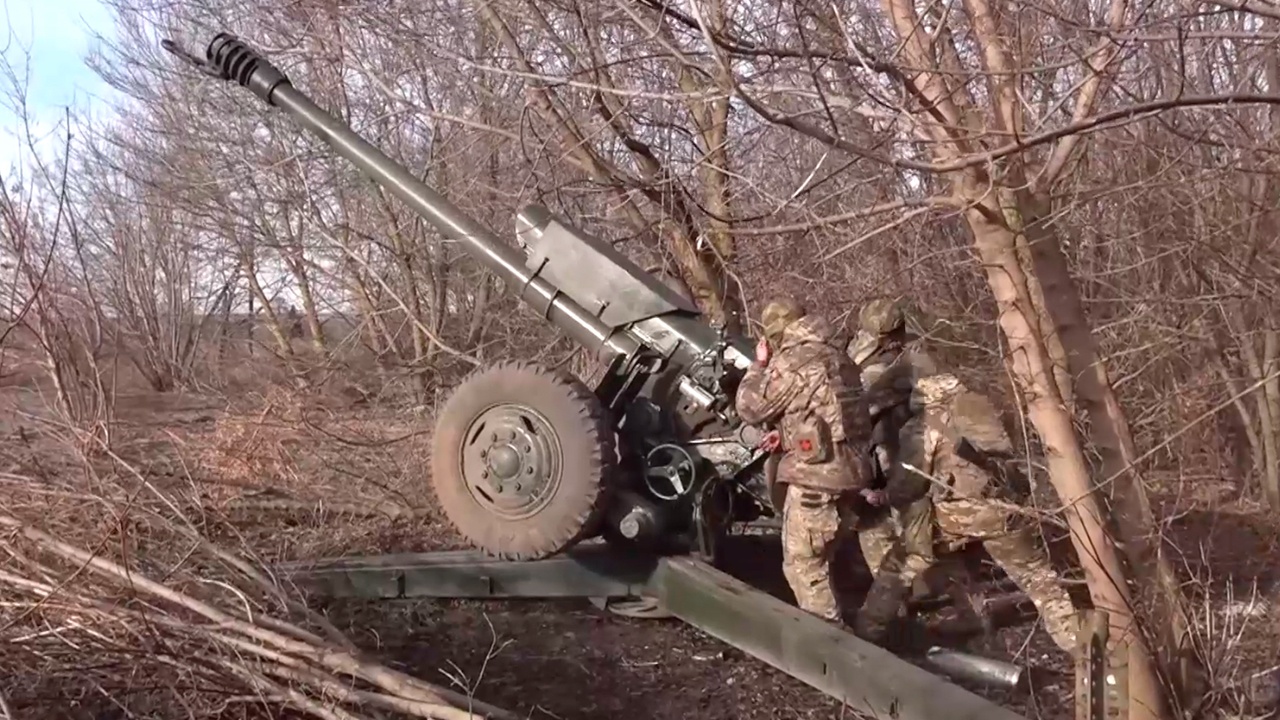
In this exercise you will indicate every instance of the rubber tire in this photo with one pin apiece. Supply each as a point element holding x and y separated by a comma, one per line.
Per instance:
<point>588,455</point>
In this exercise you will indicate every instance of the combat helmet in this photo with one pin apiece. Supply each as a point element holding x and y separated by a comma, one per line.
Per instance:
<point>881,317</point>
<point>778,314</point>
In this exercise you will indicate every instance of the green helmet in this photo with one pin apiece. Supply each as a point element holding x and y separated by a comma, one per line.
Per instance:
<point>881,317</point>
<point>778,314</point>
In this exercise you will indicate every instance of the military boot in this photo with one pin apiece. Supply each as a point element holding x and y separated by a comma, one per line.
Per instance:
<point>878,618</point>
<point>974,606</point>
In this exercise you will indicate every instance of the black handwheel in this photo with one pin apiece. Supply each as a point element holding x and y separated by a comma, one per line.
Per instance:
<point>520,459</point>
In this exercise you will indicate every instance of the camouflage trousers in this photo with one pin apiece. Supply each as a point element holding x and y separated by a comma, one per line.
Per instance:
<point>897,546</point>
<point>911,525</point>
<point>812,526</point>
<point>950,524</point>
<point>1013,545</point>
<point>899,541</point>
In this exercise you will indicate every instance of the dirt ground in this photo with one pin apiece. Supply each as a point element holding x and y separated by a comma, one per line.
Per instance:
<point>331,479</point>
<point>569,660</point>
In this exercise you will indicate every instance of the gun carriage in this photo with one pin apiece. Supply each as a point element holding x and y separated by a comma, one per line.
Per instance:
<point>528,463</point>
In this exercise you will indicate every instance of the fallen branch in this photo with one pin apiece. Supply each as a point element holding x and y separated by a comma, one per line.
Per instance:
<point>239,641</point>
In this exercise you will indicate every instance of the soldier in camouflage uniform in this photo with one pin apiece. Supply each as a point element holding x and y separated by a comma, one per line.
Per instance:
<point>891,360</point>
<point>802,384</point>
<point>958,445</point>
<point>883,342</point>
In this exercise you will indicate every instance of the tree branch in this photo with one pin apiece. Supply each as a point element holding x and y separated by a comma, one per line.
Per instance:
<point>1110,118</point>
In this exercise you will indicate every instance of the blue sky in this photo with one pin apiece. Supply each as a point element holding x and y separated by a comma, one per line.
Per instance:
<point>48,40</point>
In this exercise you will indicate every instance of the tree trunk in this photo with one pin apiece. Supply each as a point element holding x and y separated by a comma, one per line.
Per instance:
<point>1269,409</point>
<point>1257,452</point>
<point>1044,324</point>
<point>273,321</point>
<point>952,120</point>
<point>310,311</point>
<point>1068,469</point>
<point>711,117</point>
<point>1152,578</point>
<point>403,250</point>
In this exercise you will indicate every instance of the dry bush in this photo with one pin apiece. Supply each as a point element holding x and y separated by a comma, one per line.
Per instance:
<point>260,447</point>
<point>115,596</point>
<point>127,592</point>
<point>302,450</point>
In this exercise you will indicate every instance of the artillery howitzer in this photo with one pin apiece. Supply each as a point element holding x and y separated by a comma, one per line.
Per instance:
<point>527,462</point>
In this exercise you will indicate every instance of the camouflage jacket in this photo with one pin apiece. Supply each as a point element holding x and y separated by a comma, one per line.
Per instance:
<point>889,371</point>
<point>957,441</point>
<point>809,375</point>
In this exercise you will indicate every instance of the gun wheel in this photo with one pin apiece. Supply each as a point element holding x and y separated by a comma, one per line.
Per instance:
<point>519,461</point>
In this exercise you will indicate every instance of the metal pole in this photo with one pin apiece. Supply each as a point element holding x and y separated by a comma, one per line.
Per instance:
<point>870,679</point>
<point>1117,681</point>
<point>1091,666</point>
<point>1102,672</point>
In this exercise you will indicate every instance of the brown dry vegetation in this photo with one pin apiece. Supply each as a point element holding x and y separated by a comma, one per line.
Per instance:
<point>1077,197</point>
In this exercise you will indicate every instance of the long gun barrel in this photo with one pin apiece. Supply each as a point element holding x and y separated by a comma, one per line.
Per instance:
<point>233,60</point>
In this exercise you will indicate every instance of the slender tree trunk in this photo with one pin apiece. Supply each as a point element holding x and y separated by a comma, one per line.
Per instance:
<point>1012,206</point>
<point>403,250</point>
<point>1269,409</point>
<point>1152,579</point>
<point>1257,453</point>
<point>711,116</point>
<point>273,321</point>
<point>310,311</point>
<point>1068,469</point>
<point>997,219</point>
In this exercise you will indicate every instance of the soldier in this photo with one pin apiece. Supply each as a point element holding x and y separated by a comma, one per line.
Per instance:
<point>802,384</point>
<point>958,445</point>
<point>891,360</point>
